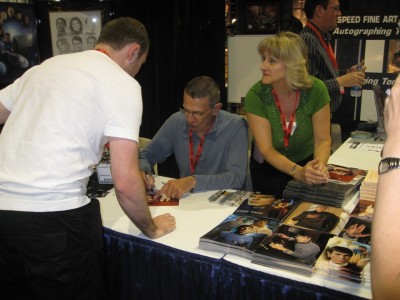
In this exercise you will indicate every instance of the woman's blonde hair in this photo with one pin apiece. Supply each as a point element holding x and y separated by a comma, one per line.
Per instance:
<point>292,51</point>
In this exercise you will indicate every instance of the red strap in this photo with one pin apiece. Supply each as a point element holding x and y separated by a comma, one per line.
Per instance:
<point>327,46</point>
<point>286,129</point>
<point>194,161</point>
<point>103,51</point>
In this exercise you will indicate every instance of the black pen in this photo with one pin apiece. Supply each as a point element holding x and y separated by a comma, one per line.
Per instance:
<point>152,187</point>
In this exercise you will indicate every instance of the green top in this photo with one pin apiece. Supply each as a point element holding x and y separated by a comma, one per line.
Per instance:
<point>260,101</point>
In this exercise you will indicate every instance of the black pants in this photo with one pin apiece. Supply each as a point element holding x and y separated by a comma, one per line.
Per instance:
<point>52,255</point>
<point>268,180</point>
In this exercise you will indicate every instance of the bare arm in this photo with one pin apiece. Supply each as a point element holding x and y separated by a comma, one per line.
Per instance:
<point>322,134</point>
<point>4,113</point>
<point>385,227</point>
<point>130,190</point>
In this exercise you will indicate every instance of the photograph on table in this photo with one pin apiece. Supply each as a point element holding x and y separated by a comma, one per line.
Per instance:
<point>364,210</point>
<point>345,174</point>
<point>238,235</point>
<point>153,199</point>
<point>345,260</point>
<point>74,31</point>
<point>319,217</point>
<point>357,230</point>
<point>291,248</point>
<point>267,206</point>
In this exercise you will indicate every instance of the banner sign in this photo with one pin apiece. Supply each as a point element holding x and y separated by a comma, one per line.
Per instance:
<point>377,26</point>
<point>372,38</point>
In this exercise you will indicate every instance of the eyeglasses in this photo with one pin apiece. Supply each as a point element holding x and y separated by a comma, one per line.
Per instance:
<point>335,8</point>
<point>195,114</point>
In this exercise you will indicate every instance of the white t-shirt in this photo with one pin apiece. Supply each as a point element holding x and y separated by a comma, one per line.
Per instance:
<point>62,112</point>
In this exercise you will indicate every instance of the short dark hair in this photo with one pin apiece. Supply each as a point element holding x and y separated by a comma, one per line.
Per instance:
<point>120,32</point>
<point>63,20</point>
<point>310,5</point>
<point>203,87</point>
<point>77,38</point>
<point>340,249</point>
<point>240,228</point>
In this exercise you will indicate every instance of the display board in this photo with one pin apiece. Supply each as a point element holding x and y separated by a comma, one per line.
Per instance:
<point>243,65</point>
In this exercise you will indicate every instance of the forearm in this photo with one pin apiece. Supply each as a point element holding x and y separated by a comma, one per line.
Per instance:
<point>333,85</point>
<point>385,238</point>
<point>133,203</point>
<point>129,185</point>
<point>322,150</point>
<point>385,227</point>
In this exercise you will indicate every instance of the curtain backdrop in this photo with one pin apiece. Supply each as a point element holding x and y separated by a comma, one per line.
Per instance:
<point>187,40</point>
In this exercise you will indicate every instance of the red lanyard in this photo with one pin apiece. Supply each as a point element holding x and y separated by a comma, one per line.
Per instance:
<point>286,129</point>
<point>103,51</point>
<point>327,46</point>
<point>193,161</point>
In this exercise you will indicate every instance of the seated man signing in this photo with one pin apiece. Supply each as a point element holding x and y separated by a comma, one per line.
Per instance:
<point>210,145</point>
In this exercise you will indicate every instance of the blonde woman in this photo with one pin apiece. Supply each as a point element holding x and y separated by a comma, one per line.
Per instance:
<point>289,115</point>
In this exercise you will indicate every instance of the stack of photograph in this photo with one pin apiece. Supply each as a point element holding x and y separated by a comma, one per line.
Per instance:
<point>300,239</point>
<point>345,260</point>
<point>347,256</point>
<point>253,221</point>
<point>343,184</point>
<point>369,185</point>
<point>292,249</point>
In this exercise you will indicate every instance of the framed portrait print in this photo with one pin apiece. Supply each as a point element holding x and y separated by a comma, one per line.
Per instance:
<point>74,31</point>
<point>18,40</point>
<point>260,17</point>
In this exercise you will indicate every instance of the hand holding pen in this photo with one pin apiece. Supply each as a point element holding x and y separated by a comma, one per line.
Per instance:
<point>148,181</point>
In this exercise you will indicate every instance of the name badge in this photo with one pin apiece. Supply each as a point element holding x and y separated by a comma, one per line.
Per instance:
<point>104,173</point>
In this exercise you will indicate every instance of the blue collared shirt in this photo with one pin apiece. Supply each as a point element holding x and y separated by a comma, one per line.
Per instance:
<point>223,161</point>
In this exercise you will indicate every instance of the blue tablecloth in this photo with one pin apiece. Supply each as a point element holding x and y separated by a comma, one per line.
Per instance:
<point>142,269</point>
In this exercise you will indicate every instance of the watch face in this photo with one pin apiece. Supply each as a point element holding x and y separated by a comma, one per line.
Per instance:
<point>388,163</point>
<point>383,166</point>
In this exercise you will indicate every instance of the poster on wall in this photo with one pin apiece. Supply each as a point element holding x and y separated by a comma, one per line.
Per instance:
<point>372,38</point>
<point>74,31</point>
<point>377,40</point>
<point>18,40</point>
<point>261,18</point>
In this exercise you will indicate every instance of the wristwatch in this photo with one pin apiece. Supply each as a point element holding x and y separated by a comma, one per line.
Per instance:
<point>387,164</point>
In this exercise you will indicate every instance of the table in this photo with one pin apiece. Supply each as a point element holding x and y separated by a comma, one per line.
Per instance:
<point>358,153</point>
<point>172,267</point>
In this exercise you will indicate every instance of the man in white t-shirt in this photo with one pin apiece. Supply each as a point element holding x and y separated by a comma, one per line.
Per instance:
<point>58,116</point>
